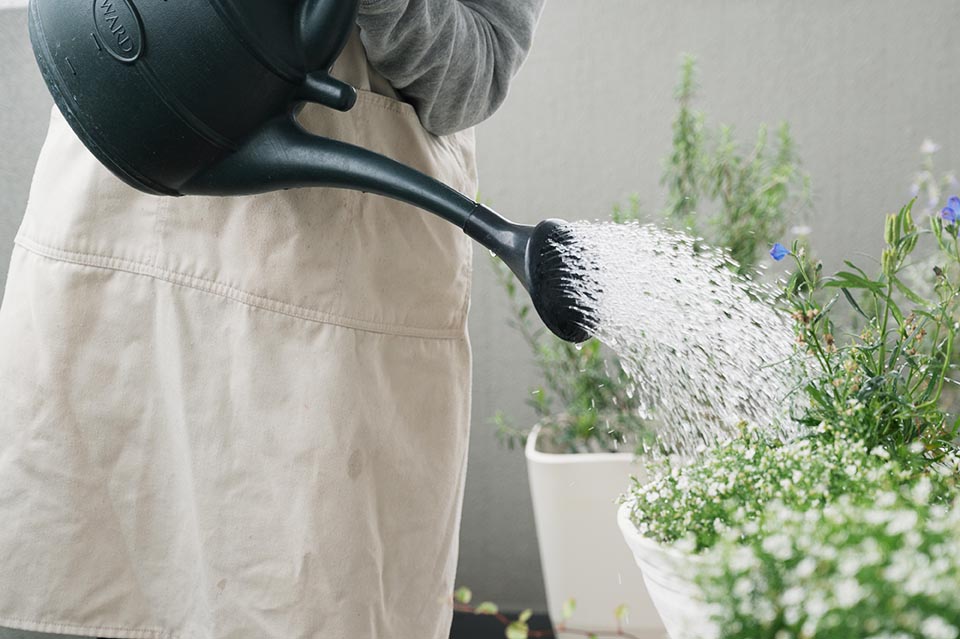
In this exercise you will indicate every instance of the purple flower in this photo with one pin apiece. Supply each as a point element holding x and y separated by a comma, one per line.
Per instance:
<point>779,251</point>
<point>951,212</point>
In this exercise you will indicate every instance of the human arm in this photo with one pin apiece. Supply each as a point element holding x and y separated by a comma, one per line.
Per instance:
<point>453,60</point>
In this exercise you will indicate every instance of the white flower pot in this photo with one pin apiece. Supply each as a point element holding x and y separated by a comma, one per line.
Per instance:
<point>667,573</point>
<point>581,551</point>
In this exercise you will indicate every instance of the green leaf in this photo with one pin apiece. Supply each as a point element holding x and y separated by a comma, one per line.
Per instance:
<point>568,607</point>
<point>517,630</point>
<point>853,303</point>
<point>621,612</point>
<point>910,295</point>
<point>463,595</point>
<point>487,608</point>
<point>525,615</point>
<point>895,310</point>
<point>850,280</point>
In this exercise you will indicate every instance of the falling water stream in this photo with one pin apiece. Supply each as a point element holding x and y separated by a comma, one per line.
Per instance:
<point>704,347</point>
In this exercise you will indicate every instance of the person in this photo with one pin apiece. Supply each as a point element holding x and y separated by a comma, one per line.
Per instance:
<point>237,418</point>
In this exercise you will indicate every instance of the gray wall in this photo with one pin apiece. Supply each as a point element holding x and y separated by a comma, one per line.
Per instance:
<point>586,125</point>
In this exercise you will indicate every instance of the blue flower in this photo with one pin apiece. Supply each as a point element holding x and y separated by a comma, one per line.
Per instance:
<point>779,251</point>
<point>951,212</point>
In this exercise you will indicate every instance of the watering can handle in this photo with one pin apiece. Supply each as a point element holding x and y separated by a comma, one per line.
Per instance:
<point>324,27</point>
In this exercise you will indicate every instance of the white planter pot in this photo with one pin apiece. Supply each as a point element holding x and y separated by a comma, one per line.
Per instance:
<point>581,550</point>
<point>667,574</point>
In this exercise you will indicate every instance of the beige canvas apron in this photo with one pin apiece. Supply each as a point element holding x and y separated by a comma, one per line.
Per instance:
<point>239,418</point>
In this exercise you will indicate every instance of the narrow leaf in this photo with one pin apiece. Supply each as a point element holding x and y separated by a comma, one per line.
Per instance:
<point>910,295</point>
<point>621,612</point>
<point>518,630</point>
<point>853,302</point>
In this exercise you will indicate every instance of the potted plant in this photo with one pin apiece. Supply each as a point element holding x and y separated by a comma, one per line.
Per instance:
<point>851,529</point>
<point>589,437</point>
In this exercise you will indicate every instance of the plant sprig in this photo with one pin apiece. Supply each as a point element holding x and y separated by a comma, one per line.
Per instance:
<point>885,383</point>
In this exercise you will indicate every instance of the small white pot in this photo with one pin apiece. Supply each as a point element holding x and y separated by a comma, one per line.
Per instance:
<point>581,551</point>
<point>667,573</point>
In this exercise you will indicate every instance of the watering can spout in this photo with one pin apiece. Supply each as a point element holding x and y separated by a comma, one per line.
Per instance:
<point>283,155</point>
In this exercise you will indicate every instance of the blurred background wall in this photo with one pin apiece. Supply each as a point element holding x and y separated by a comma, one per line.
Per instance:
<point>587,124</point>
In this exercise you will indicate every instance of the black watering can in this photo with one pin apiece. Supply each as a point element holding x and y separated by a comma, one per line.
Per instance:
<point>199,97</point>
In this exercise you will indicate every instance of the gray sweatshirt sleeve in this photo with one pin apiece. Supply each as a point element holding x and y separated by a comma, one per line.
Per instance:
<point>453,60</point>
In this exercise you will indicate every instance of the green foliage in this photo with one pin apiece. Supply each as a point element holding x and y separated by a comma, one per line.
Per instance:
<point>732,484</point>
<point>519,628</point>
<point>857,570</point>
<point>853,528</point>
<point>568,607</point>
<point>883,385</point>
<point>738,199</point>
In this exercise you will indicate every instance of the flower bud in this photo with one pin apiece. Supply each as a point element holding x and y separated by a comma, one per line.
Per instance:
<point>911,243</point>
<point>890,230</point>
<point>888,261</point>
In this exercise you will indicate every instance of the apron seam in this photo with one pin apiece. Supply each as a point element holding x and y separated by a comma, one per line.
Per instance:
<point>59,626</point>
<point>220,289</point>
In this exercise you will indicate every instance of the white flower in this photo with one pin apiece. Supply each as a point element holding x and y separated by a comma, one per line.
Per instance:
<point>779,546</point>
<point>886,499</point>
<point>848,593</point>
<point>850,566</point>
<point>815,607</point>
<point>793,596</point>
<point>742,559</point>
<point>936,628</point>
<point>806,567</point>
<point>742,588</point>
<point>929,147</point>
<point>900,567</point>
<point>881,452</point>
<point>902,521</point>
<point>922,490</point>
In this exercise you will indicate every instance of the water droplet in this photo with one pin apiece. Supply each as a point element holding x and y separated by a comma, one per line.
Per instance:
<point>703,348</point>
